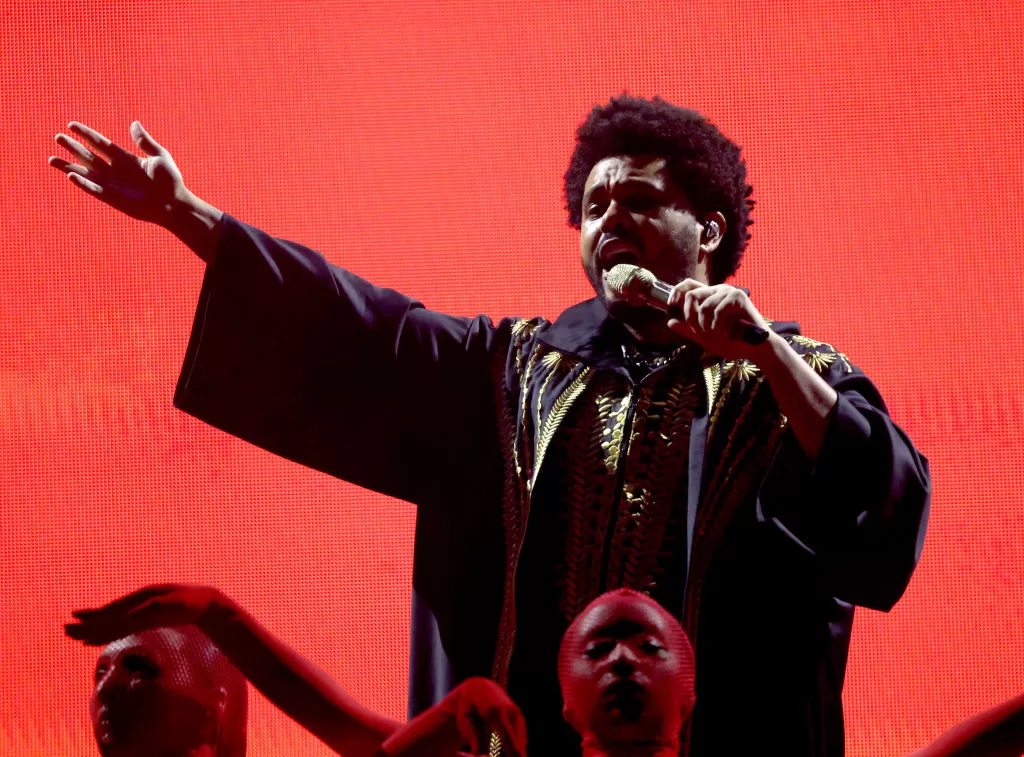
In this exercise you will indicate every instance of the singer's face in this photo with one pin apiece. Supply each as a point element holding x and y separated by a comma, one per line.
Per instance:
<point>633,212</point>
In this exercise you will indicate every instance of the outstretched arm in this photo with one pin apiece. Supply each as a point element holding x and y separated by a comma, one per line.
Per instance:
<point>996,732</point>
<point>149,189</point>
<point>295,685</point>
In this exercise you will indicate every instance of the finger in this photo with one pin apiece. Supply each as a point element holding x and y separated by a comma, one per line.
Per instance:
<point>154,613</point>
<point>124,604</point>
<point>89,186</point>
<point>518,731</point>
<point>89,634</point>
<point>725,311</point>
<point>706,309</point>
<point>79,151</point>
<point>99,143</point>
<point>690,309</point>
<point>145,142</point>
<point>66,166</point>
<point>679,326</point>
<point>680,289</point>
<point>104,627</point>
<point>480,733</point>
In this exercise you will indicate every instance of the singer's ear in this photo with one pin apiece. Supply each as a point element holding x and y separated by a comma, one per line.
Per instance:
<point>714,227</point>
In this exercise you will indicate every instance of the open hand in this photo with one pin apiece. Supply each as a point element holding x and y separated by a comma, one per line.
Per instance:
<point>152,607</point>
<point>143,188</point>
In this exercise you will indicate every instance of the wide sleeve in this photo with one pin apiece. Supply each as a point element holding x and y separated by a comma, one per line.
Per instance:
<point>861,509</point>
<point>317,365</point>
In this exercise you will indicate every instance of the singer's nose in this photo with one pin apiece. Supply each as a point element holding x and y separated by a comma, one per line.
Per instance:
<point>617,219</point>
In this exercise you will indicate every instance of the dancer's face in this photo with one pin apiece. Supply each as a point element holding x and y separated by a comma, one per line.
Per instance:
<point>147,699</point>
<point>626,672</point>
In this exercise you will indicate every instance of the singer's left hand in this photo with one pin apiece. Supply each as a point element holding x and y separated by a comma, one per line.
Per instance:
<point>709,311</point>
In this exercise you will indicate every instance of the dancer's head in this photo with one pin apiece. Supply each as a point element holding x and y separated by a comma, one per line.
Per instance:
<point>627,673</point>
<point>168,692</point>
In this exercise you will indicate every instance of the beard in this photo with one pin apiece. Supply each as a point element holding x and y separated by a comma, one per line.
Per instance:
<point>638,317</point>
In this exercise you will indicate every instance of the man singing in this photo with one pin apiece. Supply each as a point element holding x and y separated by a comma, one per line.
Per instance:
<point>757,491</point>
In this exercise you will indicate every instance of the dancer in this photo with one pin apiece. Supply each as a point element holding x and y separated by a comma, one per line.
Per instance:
<point>466,716</point>
<point>167,692</point>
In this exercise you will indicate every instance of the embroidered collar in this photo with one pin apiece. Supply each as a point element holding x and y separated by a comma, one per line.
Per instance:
<point>588,332</point>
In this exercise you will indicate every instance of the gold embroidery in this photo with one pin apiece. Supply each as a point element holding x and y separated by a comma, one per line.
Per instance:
<point>819,361</point>
<point>523,467</point>
<point>514,505</point>
<point>805,341</point>
<point>742,369</point>
<point>820,355</point>
<point>712,380</point>
<point>549,361</point>
<point>590,491</point>
<point>558,410</point>
<point>612,446</point>
<point>656,469</point>
<point>494,749</point>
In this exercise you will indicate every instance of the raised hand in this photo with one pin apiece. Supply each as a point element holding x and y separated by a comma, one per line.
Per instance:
<point>143,188</point>
<point>150,189</point>
<point>151,607</point>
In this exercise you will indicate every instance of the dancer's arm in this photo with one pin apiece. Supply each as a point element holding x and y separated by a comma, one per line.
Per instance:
<point>996,732</point>
<point>295,685</point>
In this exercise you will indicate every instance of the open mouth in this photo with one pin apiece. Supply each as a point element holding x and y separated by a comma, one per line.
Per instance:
<point>626,697</point>
<point>614,251</point>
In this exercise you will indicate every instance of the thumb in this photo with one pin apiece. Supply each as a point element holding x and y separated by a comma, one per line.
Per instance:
<point>145,142</point>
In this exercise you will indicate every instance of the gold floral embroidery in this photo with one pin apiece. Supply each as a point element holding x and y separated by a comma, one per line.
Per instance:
<point>549,361</point>
<point>590,491</point>
<point>820,355</point>
<point>712,381</point>
<point>558,411</point>
<point>805,341</point>
<point>513,499</point>
<point>819,361</point>
<point>656,470</point>
<point>742,369</point>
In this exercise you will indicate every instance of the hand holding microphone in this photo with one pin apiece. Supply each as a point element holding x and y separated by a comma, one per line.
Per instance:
<point>711,315</point>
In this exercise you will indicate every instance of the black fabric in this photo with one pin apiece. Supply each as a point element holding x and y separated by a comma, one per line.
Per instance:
<point>319,366</point>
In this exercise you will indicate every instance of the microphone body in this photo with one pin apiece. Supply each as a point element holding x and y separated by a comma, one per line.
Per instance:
<point>639,286</point>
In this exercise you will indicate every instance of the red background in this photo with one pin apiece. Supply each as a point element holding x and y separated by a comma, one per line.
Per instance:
<point>422,145</point>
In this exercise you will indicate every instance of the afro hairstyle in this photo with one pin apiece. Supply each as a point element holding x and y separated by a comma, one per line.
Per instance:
<point>702,161</point>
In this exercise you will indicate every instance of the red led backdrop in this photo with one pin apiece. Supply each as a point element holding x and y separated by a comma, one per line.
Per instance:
<point>422,145</point>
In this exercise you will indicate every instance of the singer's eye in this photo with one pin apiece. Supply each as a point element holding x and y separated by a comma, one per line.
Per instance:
<point>594,210</point>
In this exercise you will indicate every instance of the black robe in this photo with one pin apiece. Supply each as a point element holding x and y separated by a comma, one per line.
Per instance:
<point>761,553</point>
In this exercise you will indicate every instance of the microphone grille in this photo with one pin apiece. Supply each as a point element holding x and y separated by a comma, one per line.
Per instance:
<point>623,280</point>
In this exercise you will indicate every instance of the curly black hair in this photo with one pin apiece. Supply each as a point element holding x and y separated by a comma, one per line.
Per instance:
<point>706,164</point>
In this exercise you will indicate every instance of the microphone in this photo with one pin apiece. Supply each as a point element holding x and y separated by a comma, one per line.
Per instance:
<point>638,286</point>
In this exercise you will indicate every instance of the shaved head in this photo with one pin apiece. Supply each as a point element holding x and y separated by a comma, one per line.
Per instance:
<point>626,670</point>
<point>167,692</point>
